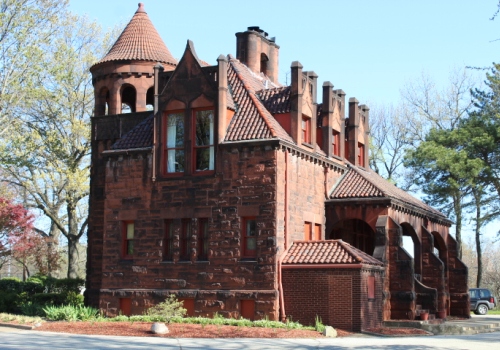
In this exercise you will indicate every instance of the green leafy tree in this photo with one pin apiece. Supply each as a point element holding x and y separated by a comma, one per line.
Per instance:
<point>26,28</point>
<point>47,154</point>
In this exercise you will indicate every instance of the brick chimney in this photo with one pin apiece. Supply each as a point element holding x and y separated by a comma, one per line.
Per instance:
<point>259,52</point>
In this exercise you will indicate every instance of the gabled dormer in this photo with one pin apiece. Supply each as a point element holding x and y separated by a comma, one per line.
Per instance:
<point>187,117</point>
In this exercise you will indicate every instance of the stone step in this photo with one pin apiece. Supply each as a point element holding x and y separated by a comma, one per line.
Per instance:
<point>450,327</point>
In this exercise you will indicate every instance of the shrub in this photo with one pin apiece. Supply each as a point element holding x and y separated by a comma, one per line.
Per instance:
<point>31,309</point>
<point>8,301</point>
<point>73,298</point>
<point>49,299</point>
<point>168,309</point>
<point>70,313</point>
<point>11,284</point>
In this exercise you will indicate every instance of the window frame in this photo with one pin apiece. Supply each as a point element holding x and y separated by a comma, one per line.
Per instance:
<point>306,131</point>
<point>168,241</point>
<point>166,148</point>
<point>335,143</point>
<point>203,236</point>
<point>195,147</point>
<point>126,240</point>
<point>308,231</point>
<point>361,154</point>
<point>245,252</point>
<point>185,240</point>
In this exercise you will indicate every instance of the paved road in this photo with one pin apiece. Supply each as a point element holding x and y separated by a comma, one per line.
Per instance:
<point>19,339</point>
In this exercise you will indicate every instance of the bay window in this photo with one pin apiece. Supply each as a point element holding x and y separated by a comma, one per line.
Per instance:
<point>175,143</point>
<point>204,140</point>
<point>189,142</point>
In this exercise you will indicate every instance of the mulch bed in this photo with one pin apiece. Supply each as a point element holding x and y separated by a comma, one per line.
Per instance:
<point>143,329</point>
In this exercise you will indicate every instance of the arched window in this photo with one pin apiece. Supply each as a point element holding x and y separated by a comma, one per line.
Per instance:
<point>129,97</point>
<point>263,63</point>
<point>150,99</point>
<point>102,102</point>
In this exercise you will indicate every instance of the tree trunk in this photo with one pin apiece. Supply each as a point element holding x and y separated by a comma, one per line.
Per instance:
<point>477,202</point>
<point>72,257</point>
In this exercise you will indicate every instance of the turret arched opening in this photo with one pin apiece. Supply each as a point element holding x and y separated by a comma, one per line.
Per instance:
<point>129,99</point>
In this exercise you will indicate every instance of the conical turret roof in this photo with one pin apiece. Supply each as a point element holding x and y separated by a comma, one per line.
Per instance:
<point>140,41</point>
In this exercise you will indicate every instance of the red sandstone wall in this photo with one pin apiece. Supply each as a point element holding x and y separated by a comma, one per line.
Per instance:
<point>245,186</point>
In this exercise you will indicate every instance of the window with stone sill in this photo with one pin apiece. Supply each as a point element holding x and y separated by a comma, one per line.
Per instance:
<point>307,231</point>
<point>202,244</point>
<point>168,246</point>
<point>249,238</point>
<point>185,243</point>
<point>306,129</point>
<point>177,157</point>
<point>361,154</point>
<point>128,234</point>
<point>335,143</point>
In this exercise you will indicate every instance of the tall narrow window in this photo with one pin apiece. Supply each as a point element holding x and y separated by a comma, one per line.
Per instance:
<point>370,284</point>
<point>174,152</point>
<point>168,248</point>
<point>249,238</point>
<point>317,232</point>
<point>128,239</point>
<point>306,129</point>
<point>307,231</point>
<point>202,239</point>
<point>335,143</point>
<point>204,140</point>
<point>185,240</point>
<point>361,154</point>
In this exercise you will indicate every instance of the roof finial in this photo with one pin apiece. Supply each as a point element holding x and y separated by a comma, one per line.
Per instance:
<point>141,8</point>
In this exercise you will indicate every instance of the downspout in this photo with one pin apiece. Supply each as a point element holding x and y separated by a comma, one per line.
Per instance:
<point>285,234</point>
<point>157,68</point>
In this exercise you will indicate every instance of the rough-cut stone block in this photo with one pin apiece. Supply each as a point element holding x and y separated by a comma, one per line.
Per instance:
<point>330,332</point>
<point>159,328</point>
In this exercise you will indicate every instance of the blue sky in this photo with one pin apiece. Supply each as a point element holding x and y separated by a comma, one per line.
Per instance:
<point>370,49</point>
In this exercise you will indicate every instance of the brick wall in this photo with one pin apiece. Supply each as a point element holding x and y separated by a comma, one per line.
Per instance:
<point>337,296</point>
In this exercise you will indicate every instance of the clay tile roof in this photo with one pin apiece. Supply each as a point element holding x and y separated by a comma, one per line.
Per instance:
<point>251,120</point>
<point>276,100</point>
<point>139,137</point>
<point>327,252</point>
<point>362,183</point>
<point>140,41</point>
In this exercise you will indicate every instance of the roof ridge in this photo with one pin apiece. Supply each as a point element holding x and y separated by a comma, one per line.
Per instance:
<point>257,104</point>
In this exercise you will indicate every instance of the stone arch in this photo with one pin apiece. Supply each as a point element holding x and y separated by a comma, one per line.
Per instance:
<point>356,232</point>
<point>409,231</point>
<point>102,102</point>
<point>440,246</point>
<point>129,98</point>
<point>150,99</point>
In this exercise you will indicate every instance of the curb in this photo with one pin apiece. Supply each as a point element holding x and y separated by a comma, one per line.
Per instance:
<point>18,326</point>
<point>397,335</point>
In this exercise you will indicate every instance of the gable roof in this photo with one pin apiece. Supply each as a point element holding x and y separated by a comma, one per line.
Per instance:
<point>139,41</point>
<point>358,182</point>
<point>252,120</point>
<point>327,252</point>
<point>276,100</point>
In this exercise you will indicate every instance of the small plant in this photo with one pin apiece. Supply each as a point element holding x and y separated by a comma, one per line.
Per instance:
<point>318,324</point>
<point>168,309</point>
<point>70,313</point>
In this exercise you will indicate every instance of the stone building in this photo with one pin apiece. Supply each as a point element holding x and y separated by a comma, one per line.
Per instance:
<point>246,197</point>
